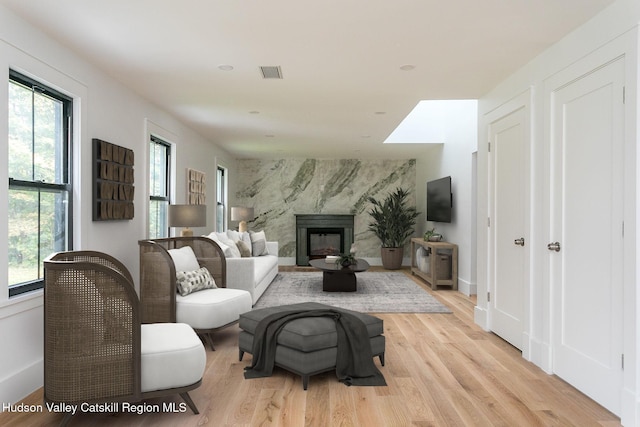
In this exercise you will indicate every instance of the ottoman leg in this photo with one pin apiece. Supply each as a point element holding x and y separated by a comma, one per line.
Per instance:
<point>305,381</point>
<point>240,355</point>
<point>381,357</point>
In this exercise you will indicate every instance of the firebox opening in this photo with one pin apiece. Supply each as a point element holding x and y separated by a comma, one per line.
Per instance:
<point>324,241</point>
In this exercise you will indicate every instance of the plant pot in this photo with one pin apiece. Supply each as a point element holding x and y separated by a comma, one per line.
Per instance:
<point>392,258</point>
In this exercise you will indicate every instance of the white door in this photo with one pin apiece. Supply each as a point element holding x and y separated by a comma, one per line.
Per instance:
<point>586,248</point>
<point>509,173</point>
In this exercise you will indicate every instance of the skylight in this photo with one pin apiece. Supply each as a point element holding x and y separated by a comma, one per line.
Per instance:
<point>427,122</point>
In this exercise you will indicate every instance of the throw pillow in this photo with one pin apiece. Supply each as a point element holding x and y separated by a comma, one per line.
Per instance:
<point>244,236</point>
<point>184,259</point>
<point>188,282</point>
<point>258,243</point>
<point>233,249</point>
<point>245,250</point>
<point>229,248</point>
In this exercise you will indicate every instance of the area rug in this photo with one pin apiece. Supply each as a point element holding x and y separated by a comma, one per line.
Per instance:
<point>378,292</point>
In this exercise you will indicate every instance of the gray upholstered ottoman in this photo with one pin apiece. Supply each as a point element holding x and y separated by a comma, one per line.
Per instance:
<point>307,346</point>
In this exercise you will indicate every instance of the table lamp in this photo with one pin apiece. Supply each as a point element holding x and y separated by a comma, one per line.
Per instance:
<point>243,215</point>
<point>187,216</point>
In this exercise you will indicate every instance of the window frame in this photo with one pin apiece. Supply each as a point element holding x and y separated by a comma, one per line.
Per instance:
<point>153,139</point>
<point>67,172</point>
<point>222,174</point>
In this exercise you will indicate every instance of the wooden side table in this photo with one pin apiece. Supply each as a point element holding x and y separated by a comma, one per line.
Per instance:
<point>441,272</point>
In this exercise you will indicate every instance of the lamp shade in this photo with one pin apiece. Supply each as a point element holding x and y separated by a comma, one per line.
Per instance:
<point>241,214</point>
<point>187,215</point>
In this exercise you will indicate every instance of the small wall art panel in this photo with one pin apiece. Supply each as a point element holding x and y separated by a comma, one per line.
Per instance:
<point>196,187</point>
<point>113,178</point>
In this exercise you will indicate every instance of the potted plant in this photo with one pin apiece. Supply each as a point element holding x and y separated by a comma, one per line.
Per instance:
<point>346,260</point>
<point>432,236</point>
<point>393,222</point>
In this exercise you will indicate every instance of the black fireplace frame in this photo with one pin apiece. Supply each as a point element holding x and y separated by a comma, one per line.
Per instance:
<point>304,222</point>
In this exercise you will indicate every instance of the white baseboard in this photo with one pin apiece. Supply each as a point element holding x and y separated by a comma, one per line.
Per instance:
<point>538,353</point>
<point>21,384</point>
<point>480,317</point>
<point>629,408</point>
<point>467,288</point>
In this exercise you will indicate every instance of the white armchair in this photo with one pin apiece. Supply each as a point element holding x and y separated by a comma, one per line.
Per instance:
<point>206,310</point>
<point>97,350</point>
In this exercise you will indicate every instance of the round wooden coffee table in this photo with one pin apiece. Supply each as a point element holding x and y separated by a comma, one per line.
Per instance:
<point>336,278</point>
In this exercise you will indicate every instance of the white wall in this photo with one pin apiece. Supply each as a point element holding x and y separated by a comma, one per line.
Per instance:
<point>105,110</point>
<point>454,158</point>
<point>608,35</point>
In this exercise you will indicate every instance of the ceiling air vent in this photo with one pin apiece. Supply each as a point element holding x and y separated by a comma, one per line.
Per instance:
<point>271,72</point>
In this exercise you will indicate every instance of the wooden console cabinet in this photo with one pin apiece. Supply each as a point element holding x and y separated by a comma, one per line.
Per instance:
<point>443,263</point>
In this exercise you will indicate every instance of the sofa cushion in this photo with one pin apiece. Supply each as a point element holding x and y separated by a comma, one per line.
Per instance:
<point>212,308</point>
<point>172,356</point>
<point>193,281</point>
<point>261,267</point>
<point>184,259</point>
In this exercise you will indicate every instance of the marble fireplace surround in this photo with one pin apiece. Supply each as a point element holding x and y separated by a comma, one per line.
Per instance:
<point>316,223</point>
<point>278,189</point>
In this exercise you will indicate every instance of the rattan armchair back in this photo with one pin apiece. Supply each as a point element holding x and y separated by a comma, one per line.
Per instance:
<point>92,333</point>
<point>86,358</point>
<point>158,275</point>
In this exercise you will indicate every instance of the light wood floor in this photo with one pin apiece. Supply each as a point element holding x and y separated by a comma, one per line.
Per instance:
<point>441,370</point>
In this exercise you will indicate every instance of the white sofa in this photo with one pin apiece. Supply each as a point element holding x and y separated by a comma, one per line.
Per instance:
<point>251,273</point>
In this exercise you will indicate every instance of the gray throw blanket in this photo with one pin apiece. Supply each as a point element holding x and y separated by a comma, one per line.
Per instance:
<point>354,362</point>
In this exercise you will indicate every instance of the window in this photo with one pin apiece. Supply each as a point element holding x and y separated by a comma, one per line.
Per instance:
<point>39,179</point>
<point>159,187</point>
<point>221,200</point>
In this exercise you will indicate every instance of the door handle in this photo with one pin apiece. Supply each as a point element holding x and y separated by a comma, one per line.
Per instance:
<point>555,246</point>
<point>519,242</point>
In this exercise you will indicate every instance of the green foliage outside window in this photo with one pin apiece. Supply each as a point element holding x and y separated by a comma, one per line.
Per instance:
<point>38,179</point>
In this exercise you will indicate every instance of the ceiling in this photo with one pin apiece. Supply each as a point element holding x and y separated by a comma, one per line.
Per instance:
<point>352,69</point>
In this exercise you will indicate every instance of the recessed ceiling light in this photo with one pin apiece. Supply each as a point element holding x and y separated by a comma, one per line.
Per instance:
<point>254,112</point>
<point>269,135</point>
<point>380,112</point>
<point>365,136</point>
<point>407,67</point>
<point>225,67</point>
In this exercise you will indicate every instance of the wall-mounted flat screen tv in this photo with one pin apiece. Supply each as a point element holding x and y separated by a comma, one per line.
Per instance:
<point>439,200</point>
